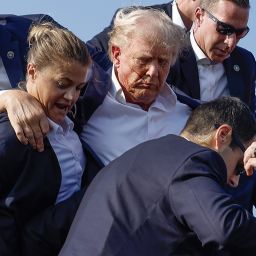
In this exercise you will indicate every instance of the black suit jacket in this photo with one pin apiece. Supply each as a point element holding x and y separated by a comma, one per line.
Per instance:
<point>13,43</point>
<point>163,197</point>
<point>241,83</point>
<point>100,41</point>
<point>29,183</point>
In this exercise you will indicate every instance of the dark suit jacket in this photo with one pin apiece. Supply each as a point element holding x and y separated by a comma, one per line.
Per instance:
<point>153,199</point>
<point>13,43</point>
<point>29,183</point>
<point>241,83</point>
<point>100,41</point>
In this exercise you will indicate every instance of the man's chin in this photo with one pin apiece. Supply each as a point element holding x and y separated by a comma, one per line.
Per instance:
<point>219,57</point>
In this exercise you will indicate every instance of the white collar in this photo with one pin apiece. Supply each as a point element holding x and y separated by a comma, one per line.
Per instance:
<point>200,56</point>
<point>64,128</point>
<point>176,18</point>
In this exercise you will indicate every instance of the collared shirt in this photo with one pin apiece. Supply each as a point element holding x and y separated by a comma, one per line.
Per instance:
<point>4,80</point>
<point>212,77</point>
<point>69,152</point>
<point>176,18</point>
<point>116,125</point>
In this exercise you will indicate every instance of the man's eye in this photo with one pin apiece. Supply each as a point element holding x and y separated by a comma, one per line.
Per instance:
<point>140,62</point>
<point>163,63</point>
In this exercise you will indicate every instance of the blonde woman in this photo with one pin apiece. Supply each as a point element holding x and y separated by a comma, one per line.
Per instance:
<point>30,181</point>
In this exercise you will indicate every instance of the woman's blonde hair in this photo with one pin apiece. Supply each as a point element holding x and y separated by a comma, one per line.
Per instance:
<point>50,44</point>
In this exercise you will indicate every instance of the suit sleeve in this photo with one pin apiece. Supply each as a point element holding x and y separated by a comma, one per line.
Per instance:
<point>201,204</point>
<point>253,100</point>
<point>9,225</point>
<point>23,193</point>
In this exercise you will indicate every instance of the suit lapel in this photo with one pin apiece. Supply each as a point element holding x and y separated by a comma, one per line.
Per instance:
<point>189,73</point>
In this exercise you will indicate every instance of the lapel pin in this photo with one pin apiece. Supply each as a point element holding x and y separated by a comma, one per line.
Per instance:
<point>236,68</point>
<point>10,54</point>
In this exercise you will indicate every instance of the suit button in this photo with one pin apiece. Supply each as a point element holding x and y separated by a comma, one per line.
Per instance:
<point>10,54</point>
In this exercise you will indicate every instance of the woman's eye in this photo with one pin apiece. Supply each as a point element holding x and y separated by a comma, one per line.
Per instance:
<point>61,84</point>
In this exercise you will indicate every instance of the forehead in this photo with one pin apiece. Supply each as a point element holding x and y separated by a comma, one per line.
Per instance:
<point>230,13</point>
<point>72,70</point>
<point>141,46</point>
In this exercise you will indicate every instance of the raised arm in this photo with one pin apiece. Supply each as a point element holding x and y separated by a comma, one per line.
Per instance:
<point>26,116</point>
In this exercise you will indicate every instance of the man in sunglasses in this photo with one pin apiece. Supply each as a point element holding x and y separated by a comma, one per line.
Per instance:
<point>166,196</point>
<point>214,65</point>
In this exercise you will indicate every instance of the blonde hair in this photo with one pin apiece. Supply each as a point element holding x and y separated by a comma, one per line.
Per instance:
<point>50,44</point>
<point>152,24</point>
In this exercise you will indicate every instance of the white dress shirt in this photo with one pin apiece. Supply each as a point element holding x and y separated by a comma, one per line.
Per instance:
<point>69,152</point>
<point>176,18</point>
<point>117,126</point>
<point>212,76</point>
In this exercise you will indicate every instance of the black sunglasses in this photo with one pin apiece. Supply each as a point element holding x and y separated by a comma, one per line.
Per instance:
<point>236,140</point>
<point>226,29</point>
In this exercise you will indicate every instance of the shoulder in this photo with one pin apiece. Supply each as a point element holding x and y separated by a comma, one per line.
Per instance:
<point>9,144</point>
<point>245,60</point>
<point>6,130</point>
<point>26,19</point>
<point>167,8</point>
<point>240,52</point>
<point>29,17</point>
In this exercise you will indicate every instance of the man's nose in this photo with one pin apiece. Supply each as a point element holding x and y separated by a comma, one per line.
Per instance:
<point>231,41</point>
<point>153,68</point>
<point>234,180</point>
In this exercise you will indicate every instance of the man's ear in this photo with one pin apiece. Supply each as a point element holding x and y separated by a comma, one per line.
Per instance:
<point>116,52</point>
<point>223,137</point>
<point>31,71</point>
<point>198,17</point>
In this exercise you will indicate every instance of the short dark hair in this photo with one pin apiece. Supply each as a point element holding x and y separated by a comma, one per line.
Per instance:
<point>209,4</point>
<point>225,110</point>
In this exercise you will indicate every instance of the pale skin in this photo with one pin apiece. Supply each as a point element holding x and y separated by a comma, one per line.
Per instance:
<point>27,117</point>
<point>141,69</point>
<point>219,140</point>
<point>187,9</point>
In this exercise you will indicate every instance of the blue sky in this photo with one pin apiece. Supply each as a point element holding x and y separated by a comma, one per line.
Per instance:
<point>87,18</point>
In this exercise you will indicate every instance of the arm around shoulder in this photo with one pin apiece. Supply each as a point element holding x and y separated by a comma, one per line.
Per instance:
<point>26,115</point>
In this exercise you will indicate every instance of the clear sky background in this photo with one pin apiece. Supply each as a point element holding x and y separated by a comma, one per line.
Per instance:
<point>87,18</point>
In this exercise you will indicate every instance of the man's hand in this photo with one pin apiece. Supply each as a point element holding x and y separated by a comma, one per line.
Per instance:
<point>250,159</point>
<point>27,117</point>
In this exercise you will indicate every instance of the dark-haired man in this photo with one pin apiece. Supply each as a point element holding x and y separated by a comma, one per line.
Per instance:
<point>166,196</point>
